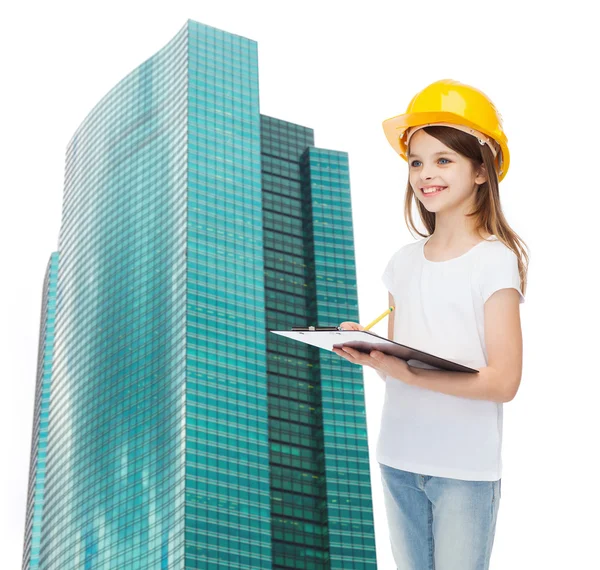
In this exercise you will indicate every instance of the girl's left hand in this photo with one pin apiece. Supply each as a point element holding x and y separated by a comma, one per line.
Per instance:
<point>389,365</point>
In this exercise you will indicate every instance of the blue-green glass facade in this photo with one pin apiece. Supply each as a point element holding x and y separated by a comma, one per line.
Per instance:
<point>320,485</point>
<point>298,490</point>
<point>181,435</point>
<point>115,480</point>
<point>227,450</point>
<point>326,198</point>
<point>39,433</point>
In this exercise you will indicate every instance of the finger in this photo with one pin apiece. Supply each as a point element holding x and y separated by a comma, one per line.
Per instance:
<point>374,359</point>
<point>349,357</point>
<point>377,355</point>
<point>349,325</point>
<point>359,357</point>
<point>344,354</point>
<point>355,353</point>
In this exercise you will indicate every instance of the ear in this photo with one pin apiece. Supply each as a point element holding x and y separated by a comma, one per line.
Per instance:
<point>481,175</point>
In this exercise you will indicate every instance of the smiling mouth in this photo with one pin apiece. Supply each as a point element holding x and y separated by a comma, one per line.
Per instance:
<point>433,191</point>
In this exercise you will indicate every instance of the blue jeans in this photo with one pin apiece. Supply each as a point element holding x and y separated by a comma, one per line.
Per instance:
<point>437,523</point>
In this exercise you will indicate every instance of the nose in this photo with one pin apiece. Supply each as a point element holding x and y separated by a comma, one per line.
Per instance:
<point>426,172</point>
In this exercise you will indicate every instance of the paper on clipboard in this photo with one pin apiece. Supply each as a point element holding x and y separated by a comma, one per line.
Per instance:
<point>366,341</point>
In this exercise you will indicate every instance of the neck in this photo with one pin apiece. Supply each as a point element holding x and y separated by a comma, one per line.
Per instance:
<point>454,227</point>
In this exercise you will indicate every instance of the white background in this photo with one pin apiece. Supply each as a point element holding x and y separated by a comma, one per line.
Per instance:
<point>341,68</point>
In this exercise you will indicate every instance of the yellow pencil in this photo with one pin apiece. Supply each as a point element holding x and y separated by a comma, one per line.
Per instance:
<point>379,318</point>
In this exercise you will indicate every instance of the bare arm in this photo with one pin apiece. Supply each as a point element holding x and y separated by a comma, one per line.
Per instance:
<point>496,382</point>
<point>500,379</point>
<point>391,316</point>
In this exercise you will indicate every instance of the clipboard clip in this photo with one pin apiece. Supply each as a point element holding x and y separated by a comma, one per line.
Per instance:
<point>316,328</point>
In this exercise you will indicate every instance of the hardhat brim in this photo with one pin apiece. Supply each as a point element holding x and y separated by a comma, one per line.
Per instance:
<point>395,129</point>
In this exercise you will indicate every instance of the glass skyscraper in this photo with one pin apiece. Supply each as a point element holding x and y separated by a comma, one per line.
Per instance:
<point>181,433</point>
<point>39,438</point>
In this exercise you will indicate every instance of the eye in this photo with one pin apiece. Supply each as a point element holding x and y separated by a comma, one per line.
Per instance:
<point>416,163</point>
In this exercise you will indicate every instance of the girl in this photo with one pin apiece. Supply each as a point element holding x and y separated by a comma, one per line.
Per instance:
<point>457,293</point>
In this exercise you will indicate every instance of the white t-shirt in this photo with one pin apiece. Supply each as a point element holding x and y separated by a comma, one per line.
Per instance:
<point>439,309</point>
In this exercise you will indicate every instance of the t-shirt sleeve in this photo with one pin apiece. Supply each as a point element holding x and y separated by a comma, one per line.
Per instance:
<point>501,273</point>
<point>388,274</point>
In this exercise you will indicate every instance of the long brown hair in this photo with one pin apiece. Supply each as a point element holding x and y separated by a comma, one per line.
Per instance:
<point>488,211</point>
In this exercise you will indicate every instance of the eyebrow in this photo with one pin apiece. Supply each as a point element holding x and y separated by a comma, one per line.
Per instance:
<point>411,155</point>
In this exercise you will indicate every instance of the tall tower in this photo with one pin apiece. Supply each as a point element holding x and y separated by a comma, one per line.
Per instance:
<point>181,435</point>
<point>320,485</point>
<point>39,437</point>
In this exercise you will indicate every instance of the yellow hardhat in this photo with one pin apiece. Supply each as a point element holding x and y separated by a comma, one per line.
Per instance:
<point>454,104</point>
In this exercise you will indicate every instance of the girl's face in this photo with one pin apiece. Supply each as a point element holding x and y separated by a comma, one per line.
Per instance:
<point>431,163</point>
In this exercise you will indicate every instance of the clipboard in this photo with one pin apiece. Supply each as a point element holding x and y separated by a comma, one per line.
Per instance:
<point>366,341</point>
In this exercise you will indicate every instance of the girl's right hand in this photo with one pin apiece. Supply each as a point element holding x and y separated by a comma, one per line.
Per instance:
<point>350,326</point>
